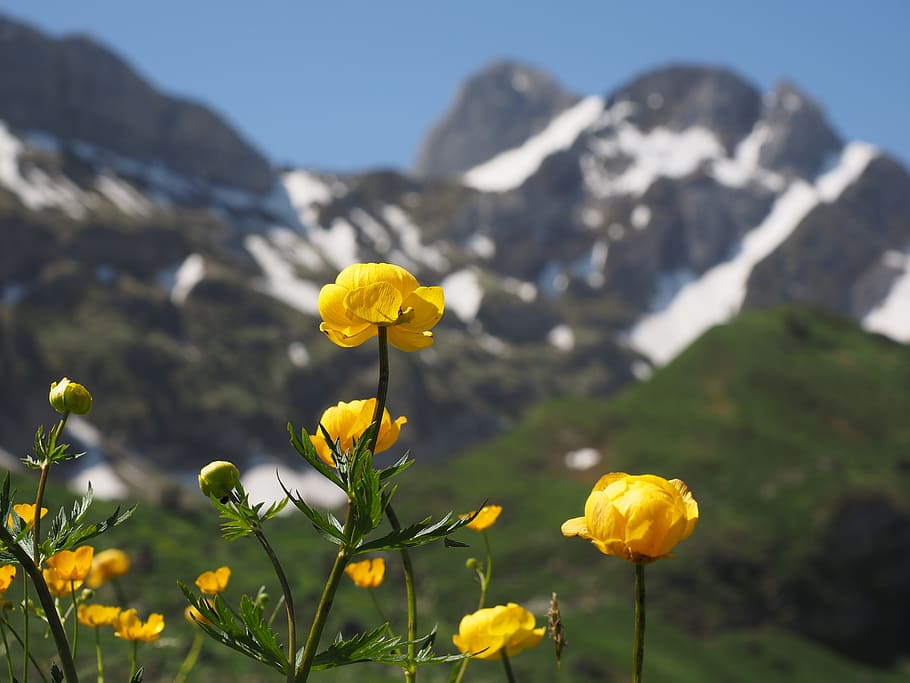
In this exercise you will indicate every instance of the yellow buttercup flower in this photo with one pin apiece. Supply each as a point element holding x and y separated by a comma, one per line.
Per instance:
<point>7,574</point>
<point>486,632</point>
<point>194,616</point>
<point>130,627</point>
<point>212,583</point>
<point>97,615</point>
<point>485,518</point>
<point>58,585</point>
<point>72,565</point>
<point>367,296</point>
<point>639,518</point>
<point>26,512</point>
<point>107,565</point>
<point>348,421</point>
<point>368,573</point>
<point>67,396</point>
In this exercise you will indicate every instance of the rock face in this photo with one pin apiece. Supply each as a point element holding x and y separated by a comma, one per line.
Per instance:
<point>496,110</point>
<point>77,90</point>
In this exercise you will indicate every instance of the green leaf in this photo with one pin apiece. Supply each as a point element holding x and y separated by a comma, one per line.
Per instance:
<point>305,448</point>
<point>416,535</point>
<point>327,525</point>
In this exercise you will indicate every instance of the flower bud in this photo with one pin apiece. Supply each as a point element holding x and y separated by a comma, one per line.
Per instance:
<point>219,478</point>
<point>471,563</point>
<point>67,396</point>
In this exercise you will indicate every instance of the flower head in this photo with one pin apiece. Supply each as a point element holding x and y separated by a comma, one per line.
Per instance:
<point>368,573</point>
<point>7,574</point>
<point>107,565</point>
<point>488,631</point>
<point>348,421</point>
<point>97,615</point>
<point>26,512</point>
<point>72,565</point>
<point>367,296</point>
<point>212,583</point>
<point>218,478</point>
<point>58,585</point>
<point>67,396</point>
<point>130,627</point>
<point>639,518</point>
<point>485,518</point>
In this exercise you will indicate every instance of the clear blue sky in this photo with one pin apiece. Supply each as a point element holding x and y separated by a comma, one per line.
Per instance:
<point>345,85</point>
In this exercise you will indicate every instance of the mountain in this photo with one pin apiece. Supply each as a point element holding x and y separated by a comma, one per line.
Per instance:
<point>582,241</point>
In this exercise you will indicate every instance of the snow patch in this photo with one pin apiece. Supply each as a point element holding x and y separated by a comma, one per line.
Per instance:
<point>526,291</point>
<point>409,237</point>
<point>187,276</point>
<point>562,337</point>
<point>123,195</point>
<point>511,168</point>
<point>482,245</point>
<point>298,355</point>
<point>372,229</point>
<point>891,316</point>
<point>641,216</point>
<point>261,482</point>
<point>338,243</point>
<point>463,294</point>
<point>280,280</point>
<point>582,459</point>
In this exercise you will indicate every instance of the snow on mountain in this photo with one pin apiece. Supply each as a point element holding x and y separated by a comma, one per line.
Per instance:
<point>511,168</point>
<point>718,294</point>
<point>892,316</point>
<point>280,279</point>
<point>464,294</point>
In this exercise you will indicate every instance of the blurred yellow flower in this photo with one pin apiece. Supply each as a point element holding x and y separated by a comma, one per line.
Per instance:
<point>367,296</point>
<point>639,518</point>
<point>7,574</point>
<point>129,627</point>
<point>194,616</point>
<point>212,583</point>
<point>348,421</point>
<point>26,512</point>
<point>67,396</point>
<point>368,573</point>
<point>58,585</point>
<point>488,631</point>
<point>97,615</point>
<point>72,565</point>
<point>107,565</point>
<point>485,518</point>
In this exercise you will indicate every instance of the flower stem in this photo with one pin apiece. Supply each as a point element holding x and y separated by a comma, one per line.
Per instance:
<point>510,675</point>
<point>42,483</point>
<point>639,649</point>
<point>30,656</point>
<point>9,659</point>
<point>134,662</point>
<point>191,657</point>
<point>288,600</point>
<point>322,612</point>
<point>487,571</point>
<point>382,388</point>
<point>75,619</point>
<point>98,656</point>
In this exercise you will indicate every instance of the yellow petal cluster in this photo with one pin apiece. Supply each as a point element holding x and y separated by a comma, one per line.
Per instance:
<point>488,631</point>
<point>26,512</point>
<point>67,396</point>
<point>7,574</point>
<point>639,518</point>
<point>97,615</point>
<point>368,573</point>
<point>130,627</point>
<point>107,565</point>
<point>366,296</point>
<point>485,518</point>
<point>59,586</point>
<point>72,565</point>
<point>348,421</point>
<point>213,582</point>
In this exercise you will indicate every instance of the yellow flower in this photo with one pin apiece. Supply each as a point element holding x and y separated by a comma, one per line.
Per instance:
<point>66,396</point>
<point>130,627</point>
<point>97,615</point>
<point>194,616</point>
<point>367,574</point>
<point>639,518</point>
<point>348,421</point>
<point>107,565</point>
<point>58,585</point>
<point>367,296</point>
<point>26,512</point>
<point>485,518</point>
<point>72,565</point>
<point>487,631</point>
<point>7,574</point>
<point>212,583</point>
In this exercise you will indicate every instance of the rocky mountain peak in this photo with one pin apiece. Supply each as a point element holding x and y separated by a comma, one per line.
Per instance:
<point>800,139</point>
<point>681,96</point>
<point>77,90</point>
<point>496,109</point>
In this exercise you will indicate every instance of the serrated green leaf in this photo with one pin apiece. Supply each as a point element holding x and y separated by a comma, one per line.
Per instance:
<point>416,535</point>
<point>305,448</point>
<point>328,526</point>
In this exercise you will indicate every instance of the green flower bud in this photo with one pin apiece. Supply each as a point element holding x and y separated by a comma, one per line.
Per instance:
<point>471,563</point>
<point>219,478</point>
<point>66,396</point>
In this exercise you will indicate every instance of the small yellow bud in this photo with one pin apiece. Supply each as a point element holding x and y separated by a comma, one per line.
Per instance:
<point>471,563</point>
<point>219,478</point>
<point>67,396</point>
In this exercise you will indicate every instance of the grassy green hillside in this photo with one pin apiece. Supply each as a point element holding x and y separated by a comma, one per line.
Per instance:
<point>791,429</point>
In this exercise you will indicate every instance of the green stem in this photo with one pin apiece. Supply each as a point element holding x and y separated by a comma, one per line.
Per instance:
<point>134,662</point>
<point>47,603</point>
<point>510,675</point>
<point>639,650</point>
<point>379,611</point>
<point>42,483</point>
<point>9,658</point>
<point>75,618</point>
<point>288,600</point>
<point>98,656</point>
<point>22,645</point>
<point>25,629</point>
<point>191,657</point>
<point>487,573</point>
<point>322,612</point>
<point>382,389</point>
<point>278,605</point>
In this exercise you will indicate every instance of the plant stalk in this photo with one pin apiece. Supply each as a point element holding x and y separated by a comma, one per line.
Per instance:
<point>639,648</point>
<point>288,600</point>
<point>322,612</point>
<point>510,675</point>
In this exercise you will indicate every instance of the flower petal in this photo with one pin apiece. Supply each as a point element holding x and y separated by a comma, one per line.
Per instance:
<point>427,304</point>
<point>355,336</point>
<point>405,340</point>
<point>363,274</point>
<point>332,308</point>
<point>575,527</point>
<point>378,303</point>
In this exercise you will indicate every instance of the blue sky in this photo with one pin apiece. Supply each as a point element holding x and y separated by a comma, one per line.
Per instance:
<point>346,85</point>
